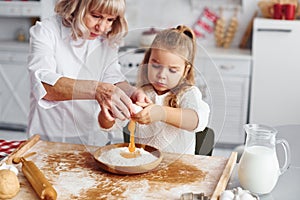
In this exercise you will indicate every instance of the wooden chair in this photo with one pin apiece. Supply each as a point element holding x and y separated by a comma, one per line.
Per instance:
<point>204,141</point>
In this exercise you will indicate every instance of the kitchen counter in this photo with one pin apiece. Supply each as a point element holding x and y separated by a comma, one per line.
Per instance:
<point>230,53</point>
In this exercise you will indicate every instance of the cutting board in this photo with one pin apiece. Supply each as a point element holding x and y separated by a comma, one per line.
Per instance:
<point>74,173</point>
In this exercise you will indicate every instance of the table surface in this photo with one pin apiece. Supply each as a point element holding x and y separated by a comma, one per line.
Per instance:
<point>287,187</point>
<point>73,172</point>
<point>288,183</point>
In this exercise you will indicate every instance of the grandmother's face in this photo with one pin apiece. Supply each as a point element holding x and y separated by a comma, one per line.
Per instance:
<point>98,23</point>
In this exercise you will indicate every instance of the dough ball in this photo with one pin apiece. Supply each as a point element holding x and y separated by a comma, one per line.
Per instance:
<point>9,184</point>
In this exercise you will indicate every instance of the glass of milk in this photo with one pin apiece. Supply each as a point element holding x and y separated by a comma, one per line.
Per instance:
<point>259,169</point>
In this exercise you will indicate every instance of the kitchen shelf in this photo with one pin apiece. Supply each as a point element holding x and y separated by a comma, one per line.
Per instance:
<point>13,45</point>
<point>20,8</point>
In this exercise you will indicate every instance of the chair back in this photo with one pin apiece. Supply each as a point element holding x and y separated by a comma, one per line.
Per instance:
<point>205,142</point>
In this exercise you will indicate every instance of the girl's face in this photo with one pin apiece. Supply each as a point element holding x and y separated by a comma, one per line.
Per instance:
<point>98,23</point>
<point>165,70</point>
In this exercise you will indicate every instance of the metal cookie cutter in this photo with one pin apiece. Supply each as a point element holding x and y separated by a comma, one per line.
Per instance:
<point>192,196</point>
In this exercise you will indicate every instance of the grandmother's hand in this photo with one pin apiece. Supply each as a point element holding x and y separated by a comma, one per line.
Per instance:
<point>139,97</point>
<point>113,101</point>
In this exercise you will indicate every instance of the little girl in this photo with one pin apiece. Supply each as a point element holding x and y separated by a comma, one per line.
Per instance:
<point>167,76</point>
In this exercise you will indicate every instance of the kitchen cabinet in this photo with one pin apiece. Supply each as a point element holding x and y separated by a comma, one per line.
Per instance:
<point>16,17</point>
<point>14,83</point>
<point>275,86</point>
<point>20,8</point>
<point>225,75</point>
<point>23,9</point>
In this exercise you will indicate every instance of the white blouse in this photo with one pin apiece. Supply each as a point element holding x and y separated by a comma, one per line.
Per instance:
<point>53,54</point>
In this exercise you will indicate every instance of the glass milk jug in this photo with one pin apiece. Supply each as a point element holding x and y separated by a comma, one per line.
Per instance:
<point>259,169</point>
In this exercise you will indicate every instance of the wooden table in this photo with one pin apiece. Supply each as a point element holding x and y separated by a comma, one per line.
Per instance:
<point>74,173</point>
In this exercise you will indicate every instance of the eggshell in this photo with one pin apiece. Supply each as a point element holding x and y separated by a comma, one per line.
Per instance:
<point>226,198</point>
<point>227,195</point>
<point>136,108</point>
<point>240,191</point>
<point>247,196</point>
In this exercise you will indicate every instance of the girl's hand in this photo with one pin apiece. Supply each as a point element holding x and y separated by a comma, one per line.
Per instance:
<point>149,114</point>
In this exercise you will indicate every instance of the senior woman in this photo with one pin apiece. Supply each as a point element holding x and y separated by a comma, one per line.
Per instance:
<point>74,71</point>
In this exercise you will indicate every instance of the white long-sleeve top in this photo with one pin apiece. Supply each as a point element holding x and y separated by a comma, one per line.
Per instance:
<point>166,137</point>
<point>53,54</point>
<point>170,138</point>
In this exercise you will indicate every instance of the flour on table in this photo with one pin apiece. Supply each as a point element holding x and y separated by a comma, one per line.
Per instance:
<point>113,157</point>
<point>66,178</point>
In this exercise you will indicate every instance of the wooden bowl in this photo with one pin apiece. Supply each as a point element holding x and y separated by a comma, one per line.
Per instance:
<point>125,170</point>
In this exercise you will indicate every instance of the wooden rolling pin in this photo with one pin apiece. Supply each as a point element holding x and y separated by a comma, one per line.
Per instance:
<point>22,149</point>
<point>38,181</point>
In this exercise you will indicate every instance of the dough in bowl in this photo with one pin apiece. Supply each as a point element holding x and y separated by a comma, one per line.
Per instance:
<point>9,184</point>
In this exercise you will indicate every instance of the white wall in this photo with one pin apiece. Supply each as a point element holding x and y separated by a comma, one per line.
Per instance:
<point>143,14</point>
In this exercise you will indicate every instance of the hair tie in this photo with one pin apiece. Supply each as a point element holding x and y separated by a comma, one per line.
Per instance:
<point>185,30</point>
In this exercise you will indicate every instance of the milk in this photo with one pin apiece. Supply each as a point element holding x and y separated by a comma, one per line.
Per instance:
<point>258,169</point>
